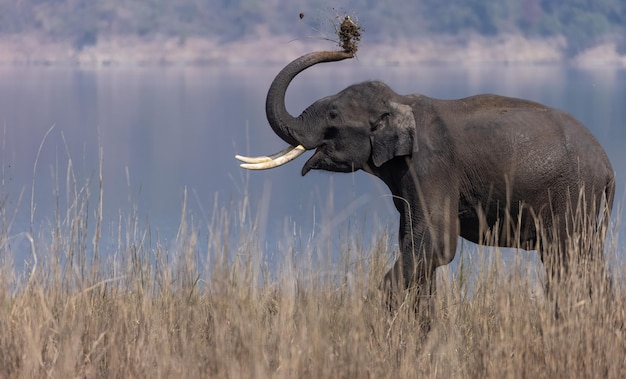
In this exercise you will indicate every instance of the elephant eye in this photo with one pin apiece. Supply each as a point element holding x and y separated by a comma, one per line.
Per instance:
<point>333,114</point>
<point>381,120</point>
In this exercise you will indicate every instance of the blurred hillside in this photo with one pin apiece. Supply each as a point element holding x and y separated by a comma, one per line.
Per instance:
<point>59,30</point>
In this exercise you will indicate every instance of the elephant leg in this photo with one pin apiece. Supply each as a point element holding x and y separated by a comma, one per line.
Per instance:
<point>428,232</point>
<point>590,265</point>
<point>556,264</point>
<point>553,278</point>
<point>411,286</point>
<point>425,244</point>
<point>572,250</point>
<point>554,255</point>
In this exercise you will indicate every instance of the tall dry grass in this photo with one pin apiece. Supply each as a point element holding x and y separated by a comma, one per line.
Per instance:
<point>205,307</point>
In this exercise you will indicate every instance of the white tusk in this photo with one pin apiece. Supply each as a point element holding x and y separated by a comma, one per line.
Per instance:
<point>264,158</point>
<point>274,160</point>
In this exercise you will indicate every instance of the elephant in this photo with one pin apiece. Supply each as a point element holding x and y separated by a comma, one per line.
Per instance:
<point>493,170</point>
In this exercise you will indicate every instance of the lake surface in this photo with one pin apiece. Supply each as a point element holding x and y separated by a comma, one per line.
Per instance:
<point>164,132</point>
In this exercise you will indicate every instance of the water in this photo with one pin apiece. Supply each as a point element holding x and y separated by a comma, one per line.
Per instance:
<point>162,132</point>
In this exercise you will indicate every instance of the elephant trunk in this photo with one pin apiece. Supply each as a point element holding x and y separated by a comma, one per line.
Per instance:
<point>292,130</point>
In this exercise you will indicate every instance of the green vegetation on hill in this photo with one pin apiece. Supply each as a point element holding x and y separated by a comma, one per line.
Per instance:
<point>582,22</point>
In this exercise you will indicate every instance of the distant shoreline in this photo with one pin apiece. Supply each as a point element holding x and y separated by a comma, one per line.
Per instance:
<point>267,49</point>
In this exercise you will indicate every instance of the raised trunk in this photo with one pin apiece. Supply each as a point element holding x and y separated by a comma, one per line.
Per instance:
<point>287,127</point>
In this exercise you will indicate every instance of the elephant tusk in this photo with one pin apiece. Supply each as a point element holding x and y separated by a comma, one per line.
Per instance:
<point>274,160</point>
<point>264,158</point>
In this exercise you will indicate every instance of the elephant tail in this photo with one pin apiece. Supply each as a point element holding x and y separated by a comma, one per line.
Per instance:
<point>609,196</point>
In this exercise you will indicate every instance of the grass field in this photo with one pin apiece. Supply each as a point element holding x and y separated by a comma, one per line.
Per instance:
<point>147,309</point>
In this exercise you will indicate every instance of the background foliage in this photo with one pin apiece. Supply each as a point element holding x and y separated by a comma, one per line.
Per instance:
<point>583,23</point>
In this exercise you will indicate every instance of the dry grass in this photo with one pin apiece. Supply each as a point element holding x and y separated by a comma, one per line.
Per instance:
<point>150,310</point>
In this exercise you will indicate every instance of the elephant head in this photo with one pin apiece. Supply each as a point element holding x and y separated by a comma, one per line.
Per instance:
<point>364,124</point>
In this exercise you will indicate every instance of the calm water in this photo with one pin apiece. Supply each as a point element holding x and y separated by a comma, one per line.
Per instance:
<point>164,130</point>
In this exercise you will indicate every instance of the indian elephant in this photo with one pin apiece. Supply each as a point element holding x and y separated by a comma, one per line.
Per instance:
<point>494,170</point>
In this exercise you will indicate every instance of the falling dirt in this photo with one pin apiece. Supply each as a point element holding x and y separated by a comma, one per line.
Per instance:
<point>349,35</point>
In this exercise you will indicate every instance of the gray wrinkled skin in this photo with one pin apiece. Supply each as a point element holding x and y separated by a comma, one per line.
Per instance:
<point>513,170</point>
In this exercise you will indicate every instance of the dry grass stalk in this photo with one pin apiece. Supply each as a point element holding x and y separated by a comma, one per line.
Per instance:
<point>153,311</point>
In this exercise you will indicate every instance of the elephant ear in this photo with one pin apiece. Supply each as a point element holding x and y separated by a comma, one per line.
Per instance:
<point>394,134</point>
